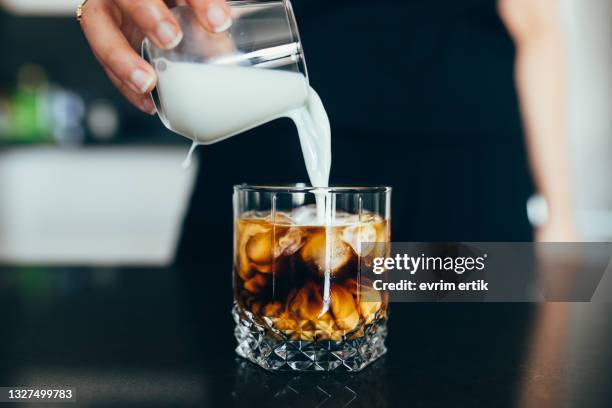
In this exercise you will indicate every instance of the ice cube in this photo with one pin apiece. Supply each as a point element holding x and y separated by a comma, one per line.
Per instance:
<point>259,248</point>
<point>344,308</point>
<point>355,235</point>
<point>331,255</point>
<point>305,215</point>
<point>290,242</point>
<point>247,230</point>
<point>307,302</point>
<point>343,218</point>
<point>278,218</point>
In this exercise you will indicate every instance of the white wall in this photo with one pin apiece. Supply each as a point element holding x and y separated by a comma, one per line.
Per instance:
<point>92,205</point>
<point>589,32</point>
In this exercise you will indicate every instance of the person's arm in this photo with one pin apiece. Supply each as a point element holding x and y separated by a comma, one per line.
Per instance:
<point>541,78</point>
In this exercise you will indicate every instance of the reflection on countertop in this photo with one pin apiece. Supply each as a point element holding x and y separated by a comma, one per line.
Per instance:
<point>255,387</point>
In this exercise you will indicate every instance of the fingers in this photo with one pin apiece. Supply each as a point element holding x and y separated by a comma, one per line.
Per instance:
<point>114,51</point>
<point>102,21</point>
<point>214,15</point>
<point>141,101</point>
<point>155,21</point>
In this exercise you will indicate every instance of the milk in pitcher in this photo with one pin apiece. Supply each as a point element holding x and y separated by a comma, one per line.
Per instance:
<point>208,103</point>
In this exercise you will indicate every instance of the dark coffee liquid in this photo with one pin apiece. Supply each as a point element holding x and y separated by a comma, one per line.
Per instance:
<point>303,281</point>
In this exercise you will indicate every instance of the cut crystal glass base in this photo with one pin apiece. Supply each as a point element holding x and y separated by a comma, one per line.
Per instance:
<point>272,350</point>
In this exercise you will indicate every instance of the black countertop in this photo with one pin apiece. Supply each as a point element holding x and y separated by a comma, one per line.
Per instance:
<point>162,337</point>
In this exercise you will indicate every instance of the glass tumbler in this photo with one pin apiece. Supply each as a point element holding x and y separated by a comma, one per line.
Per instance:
<point>299,300</point>
<point>214,85</point>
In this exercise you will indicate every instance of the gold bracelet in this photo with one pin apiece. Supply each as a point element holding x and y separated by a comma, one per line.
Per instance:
<point>79,11</point>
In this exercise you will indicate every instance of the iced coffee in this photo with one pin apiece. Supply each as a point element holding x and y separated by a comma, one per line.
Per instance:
<point>297,284</point>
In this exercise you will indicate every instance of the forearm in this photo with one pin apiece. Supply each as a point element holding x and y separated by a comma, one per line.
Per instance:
<point>541,85</point>
<point>541,78</point>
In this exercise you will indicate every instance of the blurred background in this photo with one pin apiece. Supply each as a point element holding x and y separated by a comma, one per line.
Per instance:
<point>86,179</point>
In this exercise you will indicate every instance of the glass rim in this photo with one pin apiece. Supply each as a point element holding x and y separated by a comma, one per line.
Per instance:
<point>304,188</point>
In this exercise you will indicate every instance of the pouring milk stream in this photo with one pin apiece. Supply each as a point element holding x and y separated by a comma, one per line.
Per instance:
<point>208,103</point>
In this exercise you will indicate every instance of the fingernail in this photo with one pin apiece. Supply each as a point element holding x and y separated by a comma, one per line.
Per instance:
<point>218,18</point>
<point>148,106</point>
<point>141,80</point>
<point>168,35</point>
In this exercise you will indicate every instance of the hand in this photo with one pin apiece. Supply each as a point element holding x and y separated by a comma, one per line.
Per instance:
<point>115,29</point>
